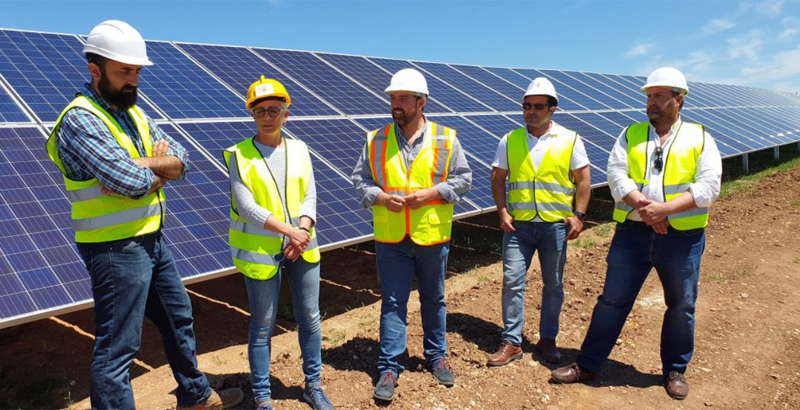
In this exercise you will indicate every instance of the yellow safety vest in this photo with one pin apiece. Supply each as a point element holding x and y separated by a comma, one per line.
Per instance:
<point>431,223</point>
<point>546,191</point>
<point>680,167</point>
<point>102,218</point>
<point>254,248</point>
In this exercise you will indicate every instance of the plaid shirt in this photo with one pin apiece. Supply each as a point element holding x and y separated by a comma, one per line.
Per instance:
<point>89,150</point>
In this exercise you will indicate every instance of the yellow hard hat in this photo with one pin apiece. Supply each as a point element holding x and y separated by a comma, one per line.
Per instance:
<point>266,87</point>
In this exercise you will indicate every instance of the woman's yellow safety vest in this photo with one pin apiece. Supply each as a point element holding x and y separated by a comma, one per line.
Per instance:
<point>680,167</point>
<point>97,217</point>
<point>253,248</point>
<point>431,223</point>
<point>546,191</point>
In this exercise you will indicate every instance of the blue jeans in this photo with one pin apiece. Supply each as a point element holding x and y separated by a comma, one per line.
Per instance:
<point>399,264</point>
<point>550,240</point>
<point>133,278</point>
<point>263,297</point>
<point>635,250</point>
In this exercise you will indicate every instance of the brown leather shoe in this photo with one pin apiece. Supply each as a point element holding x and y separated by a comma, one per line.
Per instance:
<point>677,386</point>
<point>506,354</point>
<point>218,400</point>
<point>547,348</point>
<point>572,374</point>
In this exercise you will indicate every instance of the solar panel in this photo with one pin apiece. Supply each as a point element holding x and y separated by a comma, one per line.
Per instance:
<point>201,89</point>
<point>9,110</point>
<point>477,90</point>
<point>372,76</point>
<point>249,66</point>
<point>342,92</point>
<point>442,92</point>
<point>46,70</point>
<point>183,89</point>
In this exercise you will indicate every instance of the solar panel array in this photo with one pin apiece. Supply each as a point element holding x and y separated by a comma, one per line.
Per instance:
<point>196,93</point>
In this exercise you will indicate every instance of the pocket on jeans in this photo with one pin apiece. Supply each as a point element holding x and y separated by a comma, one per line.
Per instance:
<point>691,232</point>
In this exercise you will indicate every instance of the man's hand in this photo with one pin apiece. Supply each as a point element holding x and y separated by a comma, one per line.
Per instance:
<point>661,228</point>
<point>292,253</point>
<point>160,148</point>
<point>575,227</point>
<point>422,197</point>
<point>506,221</point>
<point>394,203</point>
<point>652,212</point>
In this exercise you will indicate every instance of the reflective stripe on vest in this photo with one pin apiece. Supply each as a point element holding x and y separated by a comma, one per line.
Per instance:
<point>546,191</point>
<point>254,248</point>
<point>102,218</point>
<point>680,167</point>
<point>431,223</point>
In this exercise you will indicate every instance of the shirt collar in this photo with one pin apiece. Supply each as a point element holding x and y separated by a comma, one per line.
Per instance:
<point>672,129</point>
<point>398,131</point>
<point>552,132</point>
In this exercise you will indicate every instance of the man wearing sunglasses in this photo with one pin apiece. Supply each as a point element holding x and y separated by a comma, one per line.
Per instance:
<point>411,172</point>
<point>664,175</point>
<point>272,236</point>
<point>548,191</point>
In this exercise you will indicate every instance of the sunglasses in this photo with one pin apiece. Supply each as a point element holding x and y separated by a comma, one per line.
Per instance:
<point>658,162</point>
<point>537,107</point>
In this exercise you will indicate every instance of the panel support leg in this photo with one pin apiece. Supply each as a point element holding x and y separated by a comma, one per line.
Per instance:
<point>745,164</point>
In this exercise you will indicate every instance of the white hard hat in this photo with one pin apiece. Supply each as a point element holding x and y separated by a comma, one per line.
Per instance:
<point>408,79</point>
<point>118,41</point>
<point>667,77</point>
<point>541,86</point>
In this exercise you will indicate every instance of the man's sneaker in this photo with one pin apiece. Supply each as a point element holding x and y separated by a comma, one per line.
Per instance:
<point>384,390</point>
<point>442,373</point>
<point>218,400</point>
<point>314,395</point>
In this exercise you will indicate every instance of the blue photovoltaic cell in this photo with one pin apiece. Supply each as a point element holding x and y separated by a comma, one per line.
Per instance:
<point>774,131</point>
<point>577,91</point>
<point>198,214</point>
<point>497,125</point>
<point>600,90</point>
<point>633,96</point>
<point>496,83</point>
<point>47,70</point>
<point>339,141</point>
<point>9,110</point>
<point>482,93</point>
<point>442,92</point>
<point>728,144</point>
<point>598,144</point>
<point>339,217</point>
<point>39,266</point>
<point>183,89</point>
<point>371,76</point>
<point>249,68</point>
<point>511,76</point>
<point>325,81</point>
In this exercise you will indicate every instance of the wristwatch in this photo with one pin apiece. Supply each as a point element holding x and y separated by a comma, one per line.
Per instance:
<point>579,214</point>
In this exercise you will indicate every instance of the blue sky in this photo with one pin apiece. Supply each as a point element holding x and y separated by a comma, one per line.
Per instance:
<point>755,43</point>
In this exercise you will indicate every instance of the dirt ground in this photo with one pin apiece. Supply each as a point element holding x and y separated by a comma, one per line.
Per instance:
<point>747,353</point>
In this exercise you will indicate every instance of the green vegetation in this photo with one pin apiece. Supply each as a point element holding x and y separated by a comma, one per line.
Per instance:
<point>762,165</point>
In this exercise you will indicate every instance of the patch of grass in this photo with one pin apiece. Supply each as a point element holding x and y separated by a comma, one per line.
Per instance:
<point>335,337</point>
<point>795,203</point>
<point>482,278</point>
<point>19,391</point>
<point>583,243</point>
<point>716,278</point>
<point>286,311</point>
<point>603,230</point>
<point>762,165</point>
<point>797,259</point>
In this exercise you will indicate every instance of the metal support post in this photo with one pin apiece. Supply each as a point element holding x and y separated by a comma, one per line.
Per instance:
<point>745,164</point>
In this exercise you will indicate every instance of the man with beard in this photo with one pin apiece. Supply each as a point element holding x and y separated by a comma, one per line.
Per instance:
<point>547,170</point>
<point>115,161</point>
<point>664,175</point>
<point>411,172</point>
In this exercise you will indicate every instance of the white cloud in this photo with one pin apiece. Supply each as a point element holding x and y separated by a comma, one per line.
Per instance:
<point>746,46</point>
<point>787,35</point>
<point>717,25</point>
<point>770,8</point>
<point>788,21</point>
<point>640,49</point>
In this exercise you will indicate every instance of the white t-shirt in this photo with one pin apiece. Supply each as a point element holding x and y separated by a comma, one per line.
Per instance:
<point>538,148</point>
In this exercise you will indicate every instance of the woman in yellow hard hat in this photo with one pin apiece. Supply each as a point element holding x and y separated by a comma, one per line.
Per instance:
<point>273,211</point>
